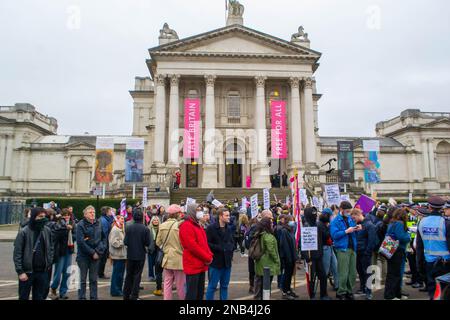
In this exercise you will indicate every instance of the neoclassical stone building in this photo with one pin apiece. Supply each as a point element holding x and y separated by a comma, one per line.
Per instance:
<point>235,72</point>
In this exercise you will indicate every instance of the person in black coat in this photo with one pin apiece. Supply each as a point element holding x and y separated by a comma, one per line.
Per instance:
<point>91,244</point>
<point>315,257</point>
<point>221,242</point>
<point>33,256</point>
<point>137,239</point>
<point>284,178</point>
<point>367,242</point>
<point>288,254</point>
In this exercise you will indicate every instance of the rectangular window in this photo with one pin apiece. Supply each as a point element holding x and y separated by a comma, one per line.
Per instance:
<point>234,109</point>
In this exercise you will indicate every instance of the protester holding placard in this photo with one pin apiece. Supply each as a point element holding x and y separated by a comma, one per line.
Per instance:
<point>315,256</point>
<point>329,260</point>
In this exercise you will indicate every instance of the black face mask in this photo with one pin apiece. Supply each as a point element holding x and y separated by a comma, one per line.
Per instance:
<point>39,224</point>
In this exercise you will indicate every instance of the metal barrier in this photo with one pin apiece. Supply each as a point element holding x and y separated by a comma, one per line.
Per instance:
<point>11,212</point>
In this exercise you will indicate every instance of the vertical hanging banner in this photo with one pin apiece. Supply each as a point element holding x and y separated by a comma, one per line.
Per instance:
<point>134,160</point>
<point>346,170</point>
<point>104,160</point>
<point>191,128</point>
<point>371,164</point>
<point>278,132</point>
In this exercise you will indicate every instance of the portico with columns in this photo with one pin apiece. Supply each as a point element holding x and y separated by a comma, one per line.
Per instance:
<point>235,72</point>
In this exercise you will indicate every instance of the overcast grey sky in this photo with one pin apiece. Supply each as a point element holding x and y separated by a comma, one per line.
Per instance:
<point>379,57</point>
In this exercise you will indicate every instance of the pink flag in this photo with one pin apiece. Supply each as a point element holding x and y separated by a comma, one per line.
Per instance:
<point>191,128</point>
<point>279,141</point>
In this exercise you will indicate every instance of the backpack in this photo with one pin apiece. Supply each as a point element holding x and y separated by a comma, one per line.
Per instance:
<point>255,251</point>
<point>248,236</point>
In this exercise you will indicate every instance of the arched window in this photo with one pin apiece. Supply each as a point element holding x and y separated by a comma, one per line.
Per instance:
<point>443,162</point>
<point>234,107</point>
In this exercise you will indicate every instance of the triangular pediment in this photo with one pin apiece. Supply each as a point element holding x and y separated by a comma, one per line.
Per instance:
<point>235,40</point>
<point>79,146</point>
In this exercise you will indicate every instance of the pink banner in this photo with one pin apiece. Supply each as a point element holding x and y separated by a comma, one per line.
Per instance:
<point>279,141</point>
<point>191,128</point>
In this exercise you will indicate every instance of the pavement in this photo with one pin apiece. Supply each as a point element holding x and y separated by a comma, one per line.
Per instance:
<point>238,288</point>
<point>8,232</point>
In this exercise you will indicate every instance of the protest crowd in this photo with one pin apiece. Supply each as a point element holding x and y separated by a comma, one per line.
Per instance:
<point>188,244</point>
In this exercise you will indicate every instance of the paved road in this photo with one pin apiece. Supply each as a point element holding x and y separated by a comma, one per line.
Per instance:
<point>238,287</point>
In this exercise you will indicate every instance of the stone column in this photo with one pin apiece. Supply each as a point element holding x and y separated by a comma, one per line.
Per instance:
<point>9,155</point>
<point>310,139</point>
<point>210,163</point>
<point>295,131</point>
<point>2,155</point>
<point>261,178</point>
<point>160,121</point>
<point>431,158</point>
<point>174,118</point>
<point>426,165</point>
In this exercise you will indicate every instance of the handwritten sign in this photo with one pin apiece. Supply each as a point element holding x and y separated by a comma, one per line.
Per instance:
<point>333,194</point>
<point>309,239</point>
<point>266,197</point>
<point>189,201</point>
<point>217,203</point>
<point>254,205</point>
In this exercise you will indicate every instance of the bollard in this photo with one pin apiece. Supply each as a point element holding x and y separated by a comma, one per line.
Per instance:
<point>266,284</point>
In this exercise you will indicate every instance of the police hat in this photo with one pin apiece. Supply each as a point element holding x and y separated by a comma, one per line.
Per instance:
<point>382,208</point>
<point>447,205</point>
<point>423,211</point>
<point>436,202</point>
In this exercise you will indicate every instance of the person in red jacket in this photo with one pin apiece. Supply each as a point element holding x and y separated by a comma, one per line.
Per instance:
<point>196,253</point>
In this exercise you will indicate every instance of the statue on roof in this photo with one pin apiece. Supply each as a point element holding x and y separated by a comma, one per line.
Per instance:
<point>167,33</point>
<point>235,8</point>
<point>300,35</point>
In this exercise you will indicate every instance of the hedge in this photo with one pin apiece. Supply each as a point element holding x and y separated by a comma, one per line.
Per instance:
<point>79,204</point>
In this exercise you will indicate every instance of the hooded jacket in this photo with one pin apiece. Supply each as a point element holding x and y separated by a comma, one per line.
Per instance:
<point>25,242</point>
<point>196,253</point>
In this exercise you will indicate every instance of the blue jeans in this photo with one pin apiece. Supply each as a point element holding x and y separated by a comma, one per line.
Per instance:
<point>330,263</point>
<point>218,275</point>
<point>118,272</point>
<point>61,267</point>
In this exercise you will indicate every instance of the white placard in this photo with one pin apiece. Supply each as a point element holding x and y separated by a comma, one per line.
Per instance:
<point>288,200</point>
<point>254,205</point>
<point>244,203</point>
<point>309,238</point>
<point>333,194</point>
<point>316,202</point>
<point>320,204</point>
<point>345,197</point>
<point>97,191</point>
<point>217,203</point>
<point>410,197</point>
<point>189,201</point>
<point>144,197</point>
<point>371,145</point>
<point>46,205</point>
<point>266,197</point>
<point>104,143</point>
<point>135,144</point>
<point>303,196</point>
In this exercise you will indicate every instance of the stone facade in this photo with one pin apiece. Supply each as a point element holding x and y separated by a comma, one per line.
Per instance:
<point>235,71</point>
